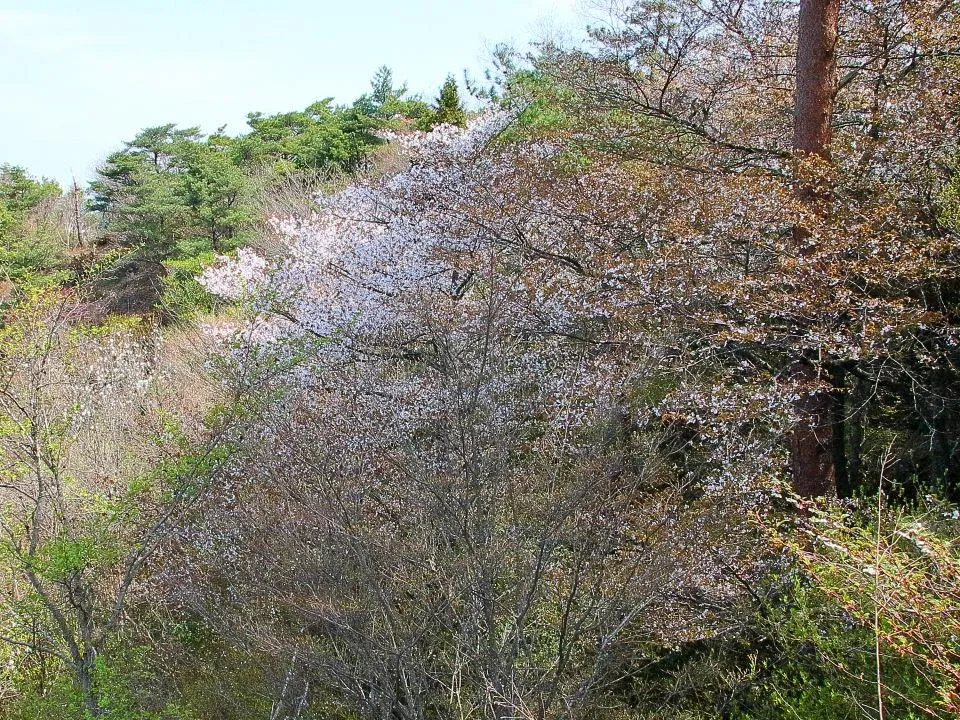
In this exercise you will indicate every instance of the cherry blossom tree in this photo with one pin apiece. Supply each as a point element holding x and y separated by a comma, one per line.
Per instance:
<point>532,385</point>
<point>471,486</point>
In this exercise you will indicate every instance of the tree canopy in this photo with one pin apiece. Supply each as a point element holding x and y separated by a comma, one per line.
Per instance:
<point>633,394</point>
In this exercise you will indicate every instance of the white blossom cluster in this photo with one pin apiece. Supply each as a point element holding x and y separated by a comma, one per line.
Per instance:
<point>235,277</point>
<point>483,281</point>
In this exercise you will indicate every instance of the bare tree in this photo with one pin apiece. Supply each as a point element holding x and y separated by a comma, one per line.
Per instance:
<point>87,495</point>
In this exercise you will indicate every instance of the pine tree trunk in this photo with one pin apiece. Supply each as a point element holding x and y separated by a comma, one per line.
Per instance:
<point>811,442</point>
<point>816,76</point>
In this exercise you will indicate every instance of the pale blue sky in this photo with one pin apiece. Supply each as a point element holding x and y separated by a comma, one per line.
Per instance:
<point>78,77</point>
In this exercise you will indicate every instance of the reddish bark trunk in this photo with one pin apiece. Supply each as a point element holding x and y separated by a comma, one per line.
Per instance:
<point>812,442</point>
<point>816,76</point>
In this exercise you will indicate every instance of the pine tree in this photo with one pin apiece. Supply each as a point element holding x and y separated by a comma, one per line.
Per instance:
<point>449,108</point>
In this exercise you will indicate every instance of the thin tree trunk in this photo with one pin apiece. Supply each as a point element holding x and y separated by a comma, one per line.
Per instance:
<point>85,678</point>
<point>77,217</point>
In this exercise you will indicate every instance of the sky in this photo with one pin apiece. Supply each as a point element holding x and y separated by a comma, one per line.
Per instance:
<point>78,77</point>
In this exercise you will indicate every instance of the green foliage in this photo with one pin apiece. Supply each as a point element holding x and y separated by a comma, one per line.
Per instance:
<point>57,699</point>
<point>183,297</point>
<point>172,193</point>
<point>121,676</point>
<point>822,665</point>
<point>64,556</point>
<point>390,104</point>
<point>20,193</point>
<point>320,139</point>
<point>29,249</point>
<point>546,104</point>
<point>174,196</point>
<point>950,204</point>
<point>808,648</point>
<point>32,261</point>
<point>170,197</point>
<point>217,679</point>
<point>449,109</point>
<point>216,191</point>
<point>895,576</point>
<point>800,656</point>
<point>139,189</point>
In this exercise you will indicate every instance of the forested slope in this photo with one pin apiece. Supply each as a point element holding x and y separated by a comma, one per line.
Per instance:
<point>632,394</point>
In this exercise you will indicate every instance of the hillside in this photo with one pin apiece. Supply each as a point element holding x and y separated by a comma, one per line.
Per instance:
<point>628,388</point>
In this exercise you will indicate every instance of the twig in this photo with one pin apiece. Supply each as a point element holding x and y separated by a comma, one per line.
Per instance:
<point>876,580</point>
